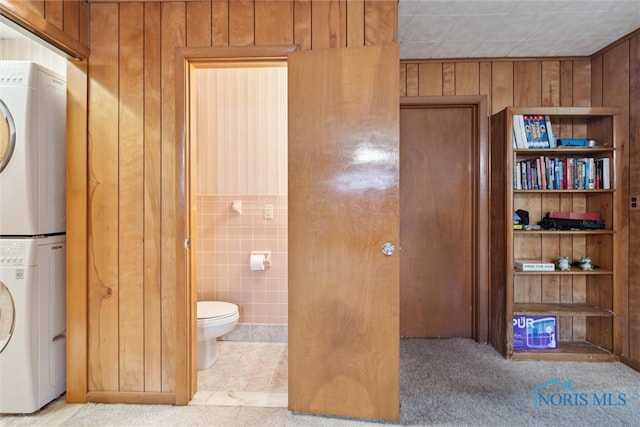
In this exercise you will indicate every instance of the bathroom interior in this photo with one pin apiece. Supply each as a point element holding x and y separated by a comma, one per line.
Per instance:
<point>239,134</point>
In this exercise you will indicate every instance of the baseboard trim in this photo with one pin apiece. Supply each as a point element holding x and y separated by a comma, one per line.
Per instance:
<point>131,397</point>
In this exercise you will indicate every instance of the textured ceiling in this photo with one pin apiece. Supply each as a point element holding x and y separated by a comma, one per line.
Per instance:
<point>512,28</point>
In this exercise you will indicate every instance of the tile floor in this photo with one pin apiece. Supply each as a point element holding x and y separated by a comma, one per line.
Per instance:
<point>245,374</point>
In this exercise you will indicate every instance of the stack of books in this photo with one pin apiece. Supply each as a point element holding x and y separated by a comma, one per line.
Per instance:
<point>531,131</point>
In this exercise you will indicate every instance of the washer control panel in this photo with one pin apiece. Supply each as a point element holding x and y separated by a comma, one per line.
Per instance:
<point>14,252</point>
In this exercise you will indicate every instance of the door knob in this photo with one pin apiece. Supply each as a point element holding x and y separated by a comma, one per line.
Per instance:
<point>388,249</point>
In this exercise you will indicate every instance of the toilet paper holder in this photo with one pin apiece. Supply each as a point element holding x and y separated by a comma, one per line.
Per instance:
<point>260,260</point>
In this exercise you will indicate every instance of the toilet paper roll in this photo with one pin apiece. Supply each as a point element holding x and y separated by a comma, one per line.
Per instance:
<point>257,262</point>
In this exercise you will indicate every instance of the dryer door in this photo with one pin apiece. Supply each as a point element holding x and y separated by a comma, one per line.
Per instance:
<point>7,136</point>
<point>7,316</point>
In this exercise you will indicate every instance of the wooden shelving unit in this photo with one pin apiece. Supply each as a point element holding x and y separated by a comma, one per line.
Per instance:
<point>584,302</point>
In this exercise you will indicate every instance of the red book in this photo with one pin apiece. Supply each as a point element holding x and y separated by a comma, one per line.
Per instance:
<point>592,216</point>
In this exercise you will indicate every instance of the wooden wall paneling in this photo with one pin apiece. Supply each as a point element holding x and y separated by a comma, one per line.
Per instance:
<point>550,252</point>
<point>430,79</point>
<point>485,82</point>
<point>274,22</point>
<point>527,87</point>
<point>71,19</point>
<point>131,198</point>
<point>199,25</point>
<point>152,200</point>
<point>566,86</point>
<point>467,78</point>
<point>403,80</point>
<point>501,86</point>
<point>103,203</point>
<point>76,265</point>
<point>380,22</point>
<point>302,23</point>
<point>83,22</point>
<point>53,12</point>
<point>220,23</point>
<point>565,330</point>
<point>173,35</point>
<point>633,335</point>
<point>616,79</point>
<point>328,24</point>
<point>241,23</point>
<point>448,79</point>
<point>550,83</point>
<point>582,83</point>
<point>596,81</point>
<point>356,23</point>
<point>35,5</point>
<point>413,76</point>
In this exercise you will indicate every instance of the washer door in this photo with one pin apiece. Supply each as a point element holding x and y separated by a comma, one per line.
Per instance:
<point>7,316</point>
<point>7,135</point>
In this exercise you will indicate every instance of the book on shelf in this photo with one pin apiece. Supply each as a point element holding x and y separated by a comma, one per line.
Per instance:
<point>562,173</point>
<point>533,265</point>
<point>550,136</point>
<point>530,131</point>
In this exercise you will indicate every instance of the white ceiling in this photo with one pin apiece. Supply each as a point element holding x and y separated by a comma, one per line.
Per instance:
<point>512,28</point>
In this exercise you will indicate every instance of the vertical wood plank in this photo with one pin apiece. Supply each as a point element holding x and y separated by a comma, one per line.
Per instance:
<point>430,79</point>
<point>412,80</point>
<point>582,83</point>
<point>302,23</point>
<point>633,348</point>
<point>220,23</point>
<point>328,24</point>
<point>53,12</point>
<point>550,83</point>
<point>152,200</point>
<point>199,23</point>
<point>103,336</point>
<point>616,79</point>
<point>83,22</point>
<point>467,78</point>
<point>131,198</point>
<point>241,23</point>
<point>173,31</point>
<point>274,22</point>
<point>71,19</point>
<point>403,80</point>
<point>355,23</point>
<point>502,86</point>
<point>448,79</point>
<point>381,22</point>
<point>76,265</point>
<point>527,86</point>
<point>37,6</point>
<point>485,82</point>
<point>566,88</point>
<point>596,81</point>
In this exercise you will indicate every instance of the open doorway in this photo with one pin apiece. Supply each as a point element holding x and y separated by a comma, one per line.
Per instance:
<point>238,124</point>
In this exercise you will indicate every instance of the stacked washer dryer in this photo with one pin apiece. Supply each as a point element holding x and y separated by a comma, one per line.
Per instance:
<point>32,236</point>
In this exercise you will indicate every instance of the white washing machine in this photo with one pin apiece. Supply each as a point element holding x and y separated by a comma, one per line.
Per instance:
<point>32,150</point>
<point>32,323</point>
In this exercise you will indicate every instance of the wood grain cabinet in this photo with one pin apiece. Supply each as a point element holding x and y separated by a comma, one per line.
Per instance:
<point>585,303</point>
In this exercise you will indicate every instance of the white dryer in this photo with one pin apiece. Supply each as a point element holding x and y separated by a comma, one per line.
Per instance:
<point>32,323</point>
<point>32,150</point>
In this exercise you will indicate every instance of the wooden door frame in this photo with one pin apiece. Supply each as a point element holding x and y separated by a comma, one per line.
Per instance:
<point>480,178</point>
<point>188,59</point>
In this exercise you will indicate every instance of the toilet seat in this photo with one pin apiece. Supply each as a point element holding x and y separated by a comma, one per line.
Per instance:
<point>216,310</point>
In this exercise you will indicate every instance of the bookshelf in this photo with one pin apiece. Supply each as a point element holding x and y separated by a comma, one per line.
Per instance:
<point>584,303</point>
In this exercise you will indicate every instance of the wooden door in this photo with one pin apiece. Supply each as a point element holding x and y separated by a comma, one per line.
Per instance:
<point>436,221</point>
<point>343,206</point>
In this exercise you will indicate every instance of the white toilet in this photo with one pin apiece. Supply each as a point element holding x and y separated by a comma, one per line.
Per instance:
<point>215,318</point>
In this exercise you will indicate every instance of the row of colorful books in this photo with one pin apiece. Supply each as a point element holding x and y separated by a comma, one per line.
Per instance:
<point>547,173</point>
<point>533,131</point>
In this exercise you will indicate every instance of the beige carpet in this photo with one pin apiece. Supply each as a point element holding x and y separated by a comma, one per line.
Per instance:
<point>443,382</point>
